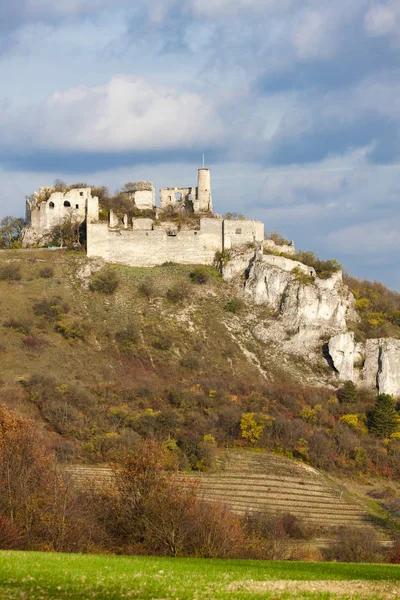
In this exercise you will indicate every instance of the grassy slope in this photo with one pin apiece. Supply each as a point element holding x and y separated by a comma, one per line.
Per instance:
<point>194,326</point>
<point>56,576</point>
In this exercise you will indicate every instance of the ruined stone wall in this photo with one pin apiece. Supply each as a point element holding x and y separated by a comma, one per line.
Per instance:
<point>168,197</point>
<point>141,248</point>
<point>237,233</point>
<point>285,248</point>
<point>45,214</point>
<point>145,199</point>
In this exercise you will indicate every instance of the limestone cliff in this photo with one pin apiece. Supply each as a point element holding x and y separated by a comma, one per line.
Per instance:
<point>310,317</point>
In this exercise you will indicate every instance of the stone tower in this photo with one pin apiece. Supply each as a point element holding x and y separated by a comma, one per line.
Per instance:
<point>204,199</point>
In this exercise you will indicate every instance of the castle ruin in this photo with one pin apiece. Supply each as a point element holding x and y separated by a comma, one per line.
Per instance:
<point>147,239</point>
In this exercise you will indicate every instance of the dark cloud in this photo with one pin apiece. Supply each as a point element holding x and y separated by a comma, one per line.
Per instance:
<point>84,162</point>
<point>327,137</point>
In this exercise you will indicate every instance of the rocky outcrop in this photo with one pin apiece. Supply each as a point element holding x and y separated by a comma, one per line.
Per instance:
<point>374,364</point>
<point>306,312</point>
<point>307,308</point>
<point>341,350</point>
<point>382,365</point>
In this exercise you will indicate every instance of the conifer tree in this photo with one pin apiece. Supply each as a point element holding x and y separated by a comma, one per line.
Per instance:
<point>348,393</point>
<point>383,418</point>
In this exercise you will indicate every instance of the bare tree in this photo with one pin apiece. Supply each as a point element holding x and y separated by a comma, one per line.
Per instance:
<point>10,231</point>
<point>67,231</point>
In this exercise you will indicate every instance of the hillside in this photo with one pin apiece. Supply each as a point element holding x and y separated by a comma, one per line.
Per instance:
<point>174,353</point>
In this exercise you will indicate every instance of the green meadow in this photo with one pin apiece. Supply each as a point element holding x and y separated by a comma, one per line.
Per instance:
<point>35,575</point>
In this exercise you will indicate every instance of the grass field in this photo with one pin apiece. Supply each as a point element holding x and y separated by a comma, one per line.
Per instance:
<point>34,576</point>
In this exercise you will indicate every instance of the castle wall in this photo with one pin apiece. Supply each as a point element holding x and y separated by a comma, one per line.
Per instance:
<point>241,232</point>
<point>46,214</point>
<point>145,199</point>
<point>168,199</point>
<point>141,248</point>
<point>285,248</point>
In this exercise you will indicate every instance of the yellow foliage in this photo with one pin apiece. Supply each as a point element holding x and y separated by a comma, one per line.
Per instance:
<point>354,421</point>
<point>251,427</point>
<point>308,414</point>
<point>363,303</point>
<point>302,448</point>
<point>210,440</point>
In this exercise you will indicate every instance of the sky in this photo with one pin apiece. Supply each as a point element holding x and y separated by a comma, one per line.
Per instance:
<point>295,104</point>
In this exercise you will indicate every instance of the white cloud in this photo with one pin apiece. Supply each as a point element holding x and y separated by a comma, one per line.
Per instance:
<point>372,238</point>
<point>383,19</point>
<point>127,113</point>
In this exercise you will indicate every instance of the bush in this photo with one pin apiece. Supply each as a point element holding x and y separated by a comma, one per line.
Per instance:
<point>234,305</point>
<point>279,239</point>
<point>19,325</point>
<point>73,330</point>
<point>10,536</point>
<point>355,545</point>
<point>52,309</point>
<point>128,336</point>
<point>148,288</point>
<point>178,292</point>
<point>33,342</point>
<point>105,282</point>
<point>46,273</point>
<point>162,342</point>
<point>10,272</point>
<point>200,274</point>
<point>190,361</point>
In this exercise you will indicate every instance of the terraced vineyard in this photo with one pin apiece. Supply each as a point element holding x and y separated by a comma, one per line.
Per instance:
<point>248,481</point>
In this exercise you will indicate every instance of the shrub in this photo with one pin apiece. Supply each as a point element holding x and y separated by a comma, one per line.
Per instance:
<point>10,536</point>
<point>46,273</point>
<point>52,308</point>
<point>105,282</point>
<point>190,361</point>
<point>33,342</point>
<point>73,330</point>
<point>221,259</point>
<point>10,272</point>
<point>128,336</point>
<point>162,342</point>
<point>234,216</point>
<point>355,545</point>
<point>234,305</point>
<point>301,277</point>
<point>19,325</point>
<point>178,292</point>
<point>148,288</point>
<point>199,275</point>
<point>279,239</point>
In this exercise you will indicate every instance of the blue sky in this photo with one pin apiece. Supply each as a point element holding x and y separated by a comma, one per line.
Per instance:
<point>295,104</point>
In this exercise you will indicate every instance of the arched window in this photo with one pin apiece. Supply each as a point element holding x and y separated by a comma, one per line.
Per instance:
<point>67,204</point>
<point>51,205</point>
<point>178,196</point>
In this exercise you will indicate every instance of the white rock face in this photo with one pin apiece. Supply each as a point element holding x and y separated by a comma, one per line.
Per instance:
<point>273,281</point>
<point>307,311</point>
<point>382,365</point>
<point>341,350</point>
